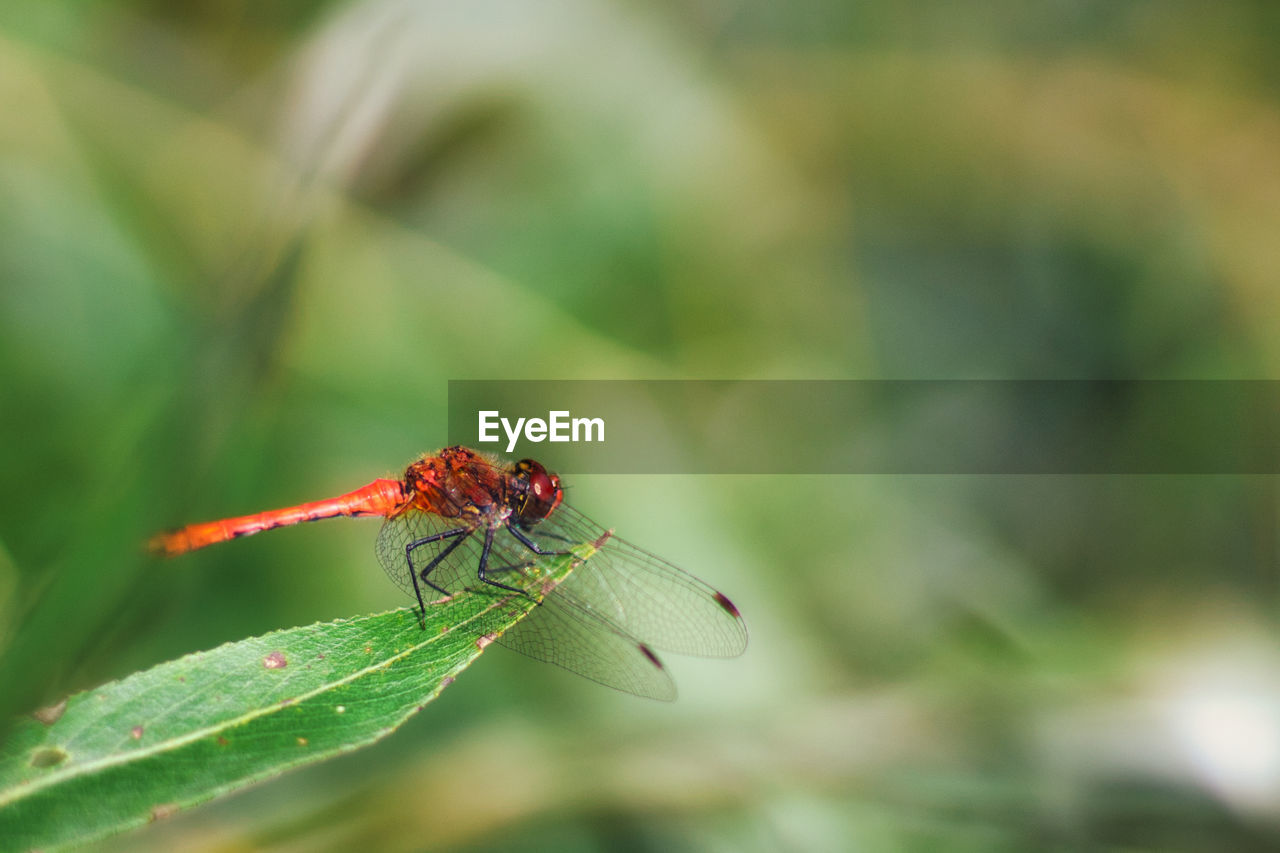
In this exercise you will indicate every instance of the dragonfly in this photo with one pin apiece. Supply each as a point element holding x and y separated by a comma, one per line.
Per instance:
<point>461,521</point>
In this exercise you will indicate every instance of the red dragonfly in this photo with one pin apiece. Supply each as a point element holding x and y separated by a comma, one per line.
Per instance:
<point>459,516</point>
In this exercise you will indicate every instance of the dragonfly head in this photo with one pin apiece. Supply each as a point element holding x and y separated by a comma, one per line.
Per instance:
<point>537,492</point>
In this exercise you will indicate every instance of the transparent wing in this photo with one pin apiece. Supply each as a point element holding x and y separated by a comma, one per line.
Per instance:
<point>448,551</point>
<point>453,574</point>
<point>640,594</point>
<point>602,622</point>
<point>559,633</point>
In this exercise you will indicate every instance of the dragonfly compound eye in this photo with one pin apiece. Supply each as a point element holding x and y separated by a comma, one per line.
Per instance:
<point>541,493</point>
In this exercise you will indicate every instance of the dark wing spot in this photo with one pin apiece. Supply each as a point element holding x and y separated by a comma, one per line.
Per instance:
<point>727,605</point>
<point>648,652</point>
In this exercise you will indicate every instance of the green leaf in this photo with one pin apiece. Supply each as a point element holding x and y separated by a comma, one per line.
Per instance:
<point>207,724</point>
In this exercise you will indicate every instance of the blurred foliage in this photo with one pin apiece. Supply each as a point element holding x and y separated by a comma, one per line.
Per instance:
<point>244,246</point>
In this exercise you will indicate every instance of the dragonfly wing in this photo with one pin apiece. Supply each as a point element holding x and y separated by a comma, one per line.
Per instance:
<point>642,594</point>
<point>602,622</point>
<point>436,535</point>
<point>556,632</point>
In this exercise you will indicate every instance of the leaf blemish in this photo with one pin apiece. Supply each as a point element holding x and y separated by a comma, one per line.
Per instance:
<point>49,757</point>
<point>136,732</point>
<point>484,641</point>
<point>275,660</point>
<point>163,811</point>
<point>222,741</point>
<point>302,741</point>
<point>51,714</point>
<point>341,709</point>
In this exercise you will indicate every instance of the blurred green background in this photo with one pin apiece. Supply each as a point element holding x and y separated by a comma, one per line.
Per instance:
<point>243,248</point>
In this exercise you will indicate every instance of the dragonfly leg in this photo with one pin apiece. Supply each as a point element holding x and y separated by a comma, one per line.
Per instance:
<point>458,534</point>
<point>532,545</point>
<point>483,571</point>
